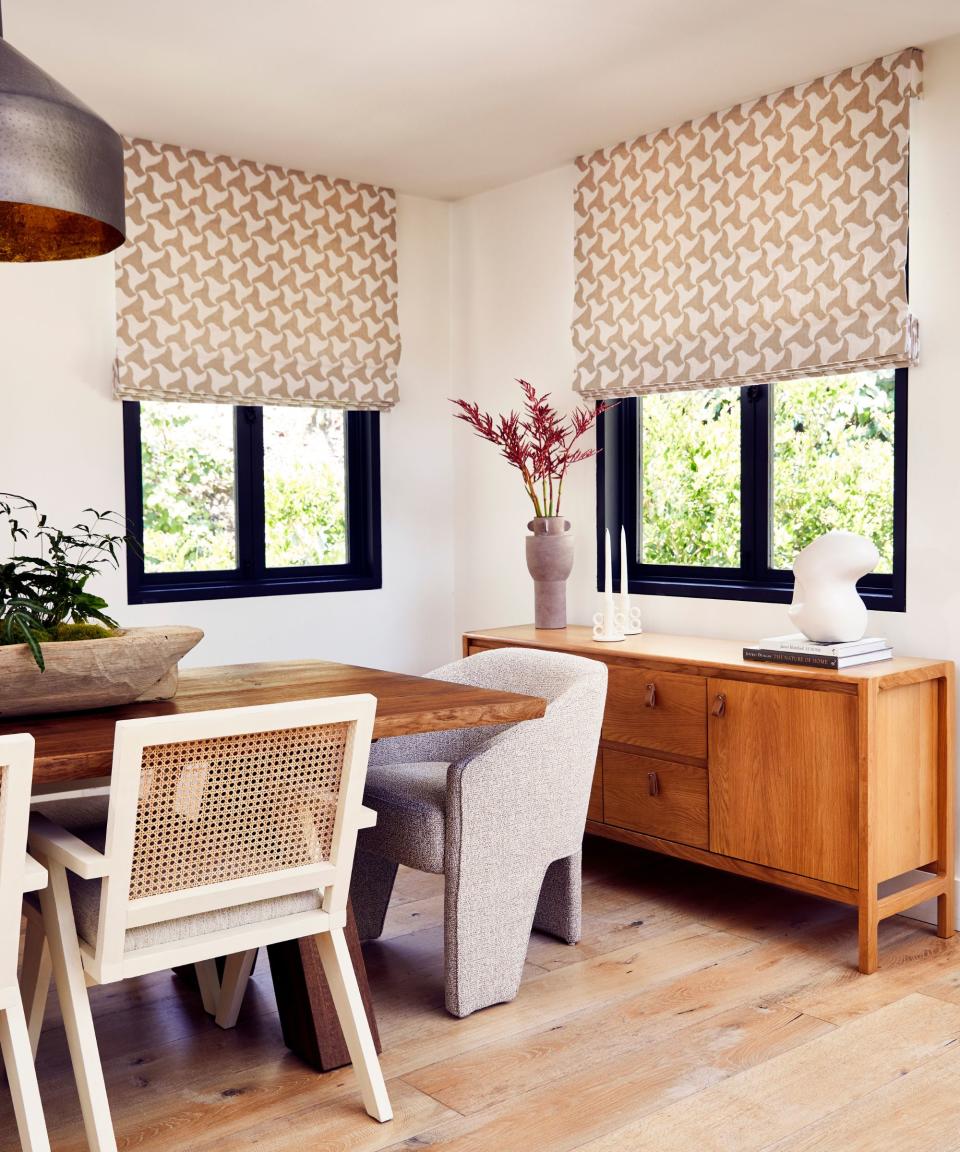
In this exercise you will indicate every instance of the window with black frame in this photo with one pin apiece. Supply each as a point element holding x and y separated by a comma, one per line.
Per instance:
<point>719,489</point>
<point>230,501</point>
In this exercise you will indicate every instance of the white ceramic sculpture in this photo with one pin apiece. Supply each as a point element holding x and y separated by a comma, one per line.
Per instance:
<point>826,606</point>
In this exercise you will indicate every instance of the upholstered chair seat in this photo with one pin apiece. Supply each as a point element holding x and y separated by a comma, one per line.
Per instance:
<point>411,805</point>
<point>87,820</point>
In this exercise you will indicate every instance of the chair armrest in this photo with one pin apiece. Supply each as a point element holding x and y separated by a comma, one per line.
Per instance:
<point>34,875</point>
<point>367,818</point>
<point>51,842</point>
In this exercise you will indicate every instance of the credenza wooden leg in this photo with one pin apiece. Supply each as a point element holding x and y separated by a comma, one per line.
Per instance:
<point>946,759</point>
<point>869,923</point>
<point>946,916</point>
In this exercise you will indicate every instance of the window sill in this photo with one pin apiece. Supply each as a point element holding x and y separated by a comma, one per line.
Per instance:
<point>876,599</point>
<point>166,592</point>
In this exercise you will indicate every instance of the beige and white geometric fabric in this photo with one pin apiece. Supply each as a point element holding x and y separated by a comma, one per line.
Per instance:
<point>247,283</point>
<point>760,243</point>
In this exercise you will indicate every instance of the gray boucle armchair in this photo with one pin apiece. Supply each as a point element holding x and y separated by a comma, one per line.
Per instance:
<point>499,811</point>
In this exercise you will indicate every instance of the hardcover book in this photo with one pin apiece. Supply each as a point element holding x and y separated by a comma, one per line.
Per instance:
<point>797,642</point>
<point>815,659</point>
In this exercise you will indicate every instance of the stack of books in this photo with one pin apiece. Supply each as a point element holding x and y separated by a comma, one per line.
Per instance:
<point>797,649</point>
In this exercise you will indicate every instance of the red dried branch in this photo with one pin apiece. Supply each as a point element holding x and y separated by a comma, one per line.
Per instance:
<point>540,444</point>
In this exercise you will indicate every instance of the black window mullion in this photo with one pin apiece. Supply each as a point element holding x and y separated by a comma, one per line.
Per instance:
<point>248,449</point>
<point>755,481</point>
<point>619,470</point>
<point>363,492</point>
<point>630,511</point>
<point>900,410</point>
<point>133,492</point>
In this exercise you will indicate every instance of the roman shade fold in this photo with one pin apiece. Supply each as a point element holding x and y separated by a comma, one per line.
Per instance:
<point>761,243</point>
<point>246,283</point>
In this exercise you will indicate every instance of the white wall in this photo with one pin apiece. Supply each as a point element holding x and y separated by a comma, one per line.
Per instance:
<point>512,256</point>
<point>513,300</point>
<point>60,444</point>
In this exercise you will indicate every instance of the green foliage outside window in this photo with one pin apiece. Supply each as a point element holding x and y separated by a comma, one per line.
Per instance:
<point>188,481</point>
<point>832,454</point>
<point>304,487</point>
<point>833,462</point>
<point>691,478</point>
<point>189,507</point>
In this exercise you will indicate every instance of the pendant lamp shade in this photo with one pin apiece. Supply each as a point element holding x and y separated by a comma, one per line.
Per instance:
<point>61,169</point>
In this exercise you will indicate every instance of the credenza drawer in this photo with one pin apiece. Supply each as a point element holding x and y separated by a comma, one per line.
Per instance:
<point>659,711</point>
<point>656,797</point>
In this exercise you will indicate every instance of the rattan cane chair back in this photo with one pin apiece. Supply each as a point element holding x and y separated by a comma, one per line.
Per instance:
<point>230,807</point>
<point>217,809</point>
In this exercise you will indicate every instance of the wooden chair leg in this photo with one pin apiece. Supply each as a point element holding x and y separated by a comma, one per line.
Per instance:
<point>208,979</point>
<point>338,969</point>
<point>236,975</point>
<point>35,978</point>
<point>75,1007</point>
<point>18,1058</point>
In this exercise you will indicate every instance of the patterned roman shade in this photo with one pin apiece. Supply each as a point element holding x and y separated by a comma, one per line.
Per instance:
<point>761,243</point>
<point>250,284</point>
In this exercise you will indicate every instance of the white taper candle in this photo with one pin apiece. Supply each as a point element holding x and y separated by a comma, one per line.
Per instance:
<point>624,590</point>
<point>608,569</point>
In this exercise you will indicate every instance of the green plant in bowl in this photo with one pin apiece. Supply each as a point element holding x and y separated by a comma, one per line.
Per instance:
<point>43,591</point>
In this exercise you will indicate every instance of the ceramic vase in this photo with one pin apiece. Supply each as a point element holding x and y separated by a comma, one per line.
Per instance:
<point>550,562</point>
<point>826,605</point>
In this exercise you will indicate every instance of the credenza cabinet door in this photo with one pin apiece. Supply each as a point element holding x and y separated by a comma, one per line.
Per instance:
<point>783,778</point>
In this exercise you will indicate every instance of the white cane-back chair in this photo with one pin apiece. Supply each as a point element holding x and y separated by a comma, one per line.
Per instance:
<point>226,831</point>
<point>18,875</point>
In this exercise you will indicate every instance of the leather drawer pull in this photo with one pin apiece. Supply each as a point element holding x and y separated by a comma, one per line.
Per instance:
<point>651,701</point>
<point>654,781</point>
<point>719,705</point>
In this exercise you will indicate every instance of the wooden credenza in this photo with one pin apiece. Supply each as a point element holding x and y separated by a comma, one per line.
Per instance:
<point>828,782</point>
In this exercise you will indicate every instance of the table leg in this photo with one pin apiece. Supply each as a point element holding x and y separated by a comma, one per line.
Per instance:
<point>307,1015</point>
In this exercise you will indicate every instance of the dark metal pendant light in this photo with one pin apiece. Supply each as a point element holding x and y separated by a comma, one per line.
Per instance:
<point>61,169</point>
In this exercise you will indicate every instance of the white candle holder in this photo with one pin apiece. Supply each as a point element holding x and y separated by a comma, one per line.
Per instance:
<point>605,627</point>
<point>628,617</point>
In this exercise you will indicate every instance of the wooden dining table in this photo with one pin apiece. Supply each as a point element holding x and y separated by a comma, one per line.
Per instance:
<point>72,747</point>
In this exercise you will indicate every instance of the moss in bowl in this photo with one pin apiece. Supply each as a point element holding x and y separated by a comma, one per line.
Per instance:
<point>64,633</point>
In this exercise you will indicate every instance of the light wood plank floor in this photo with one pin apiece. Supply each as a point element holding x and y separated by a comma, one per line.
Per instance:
<point>701,1012</point>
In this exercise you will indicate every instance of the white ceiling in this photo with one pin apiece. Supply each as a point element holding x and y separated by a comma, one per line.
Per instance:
<point>443,98</point>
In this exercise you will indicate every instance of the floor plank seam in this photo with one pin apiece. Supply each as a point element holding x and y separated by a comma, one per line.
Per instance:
<point>424,1092</point>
